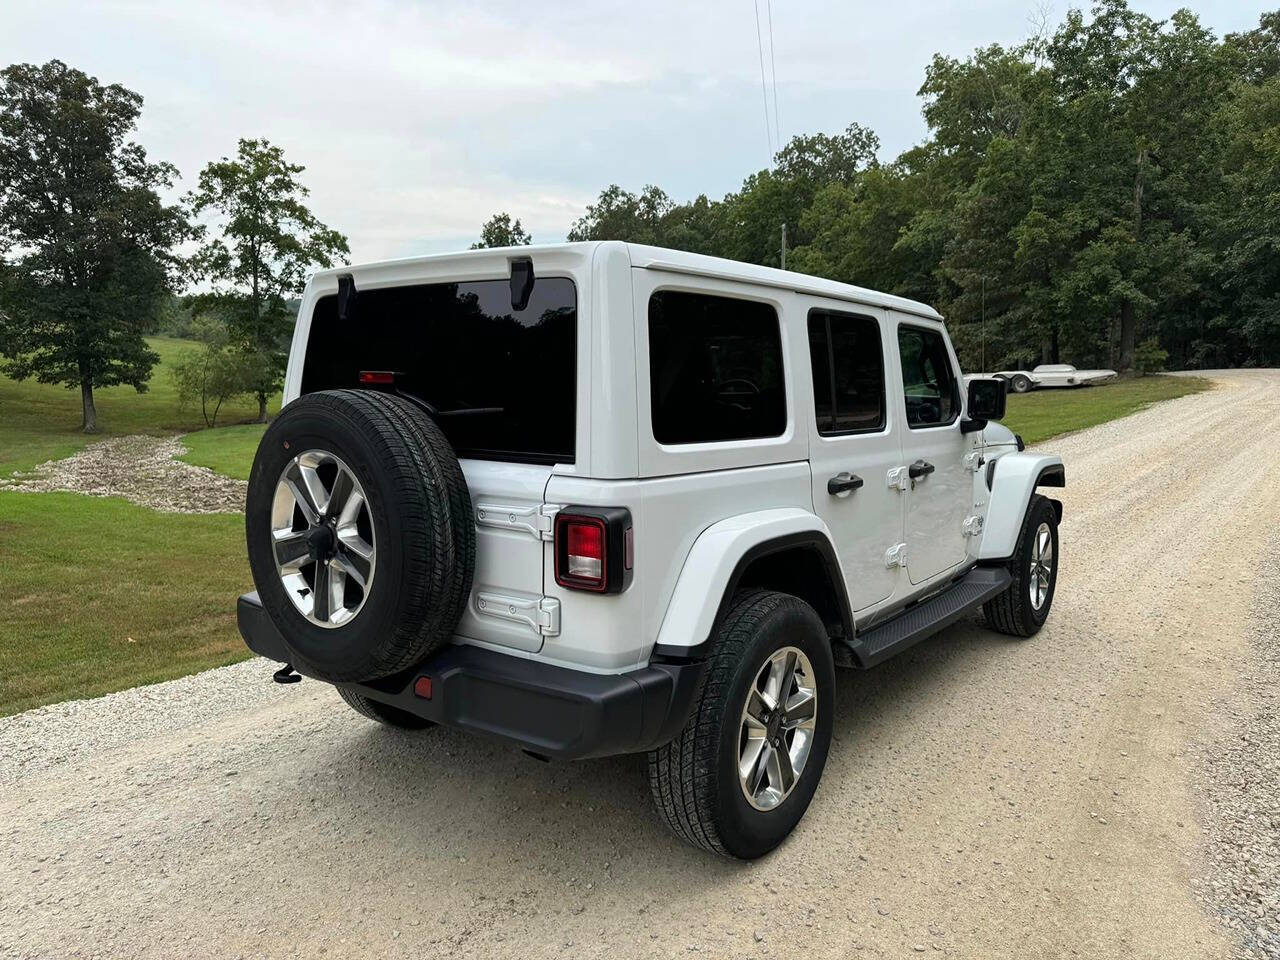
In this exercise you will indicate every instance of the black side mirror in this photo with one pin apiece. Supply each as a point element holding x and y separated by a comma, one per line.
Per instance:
<point>986,401</point>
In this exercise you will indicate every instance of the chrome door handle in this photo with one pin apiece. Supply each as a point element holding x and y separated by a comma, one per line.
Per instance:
<point>920,468</point>
<point>843,484</point>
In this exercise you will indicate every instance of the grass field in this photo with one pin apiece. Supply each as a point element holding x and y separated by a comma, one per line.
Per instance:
<point>100,595</point>
<point>40,422</point>
<point>227,450</point>
<point>1042,414</point>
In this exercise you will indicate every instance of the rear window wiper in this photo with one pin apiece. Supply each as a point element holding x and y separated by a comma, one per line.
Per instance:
<point>470,411</point>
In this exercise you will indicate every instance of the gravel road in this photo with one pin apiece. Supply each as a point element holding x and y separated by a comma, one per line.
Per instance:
<point>984,798</point>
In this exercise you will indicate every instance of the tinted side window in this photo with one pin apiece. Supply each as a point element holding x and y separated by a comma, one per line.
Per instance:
<point>928,381</point>
<point>848,372</point>
<point>715,369</point>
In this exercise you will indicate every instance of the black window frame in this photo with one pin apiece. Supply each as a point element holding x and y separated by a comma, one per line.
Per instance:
<point>783,378</point>
<point>827,313</point>
<point>956,403</point>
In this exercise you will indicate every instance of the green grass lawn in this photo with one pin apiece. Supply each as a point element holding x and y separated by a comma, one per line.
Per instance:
<point>100,595</point>
<point>41,422</point>
<point>1042,414</point>
<point>226,450</point>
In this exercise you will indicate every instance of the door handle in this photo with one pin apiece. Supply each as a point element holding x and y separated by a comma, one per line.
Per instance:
<point>919,469</point>
<point>843,484</point>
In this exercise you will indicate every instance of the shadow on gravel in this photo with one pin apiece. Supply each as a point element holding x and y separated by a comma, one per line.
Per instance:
<point>413,789</point>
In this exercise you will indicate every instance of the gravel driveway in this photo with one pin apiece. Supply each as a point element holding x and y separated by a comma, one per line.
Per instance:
<point>984,797</point>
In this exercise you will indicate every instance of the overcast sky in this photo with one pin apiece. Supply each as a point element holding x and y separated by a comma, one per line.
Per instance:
<point>417,120</point>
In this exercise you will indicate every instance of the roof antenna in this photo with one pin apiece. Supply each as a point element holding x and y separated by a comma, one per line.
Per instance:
<point>346,296</point>
<point>521,282</point>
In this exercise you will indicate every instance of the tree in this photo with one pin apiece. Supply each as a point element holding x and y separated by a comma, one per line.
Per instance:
<point>499,231</point>
<point>92,243</point>
<point>621,215</point>
<point>268,242</point>
<point>215,372</point>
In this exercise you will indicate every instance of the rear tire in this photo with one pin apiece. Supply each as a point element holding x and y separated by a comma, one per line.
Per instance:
<point>1021,610</point>
<point>695,779</point>
<point>384,713</point>
<point>1020,383</point>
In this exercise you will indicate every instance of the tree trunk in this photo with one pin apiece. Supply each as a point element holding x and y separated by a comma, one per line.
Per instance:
<point>1128,327</point>
<point>1128,318</point>
<point>89,420</point>
<point>262,407</point>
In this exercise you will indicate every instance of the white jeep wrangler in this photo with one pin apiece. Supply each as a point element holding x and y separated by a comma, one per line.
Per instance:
<point>602,498</point>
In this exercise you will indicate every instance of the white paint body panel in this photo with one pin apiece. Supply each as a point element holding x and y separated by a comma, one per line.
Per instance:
<point>696,508</point>
<point>1011,489</point>
<point>864,524</point>
<point>711,562</point>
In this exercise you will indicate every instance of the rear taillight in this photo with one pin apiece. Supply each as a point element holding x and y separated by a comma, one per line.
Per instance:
<point>585,549</point>
<point>377,377</point>
<point>593,547</point>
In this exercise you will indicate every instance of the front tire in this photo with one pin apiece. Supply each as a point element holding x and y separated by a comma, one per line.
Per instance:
<point>1020,383</point>
<point>741,774</point>
<point>1021,610</point>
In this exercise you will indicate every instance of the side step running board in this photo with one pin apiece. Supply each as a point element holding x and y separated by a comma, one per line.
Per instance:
<point>927,617</point>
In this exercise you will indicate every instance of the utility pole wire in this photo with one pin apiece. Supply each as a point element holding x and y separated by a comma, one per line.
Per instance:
<point>764,89</point>
<point>773,70</point>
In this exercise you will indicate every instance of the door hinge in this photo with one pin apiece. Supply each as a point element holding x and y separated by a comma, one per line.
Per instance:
<point>972,461</point>
<point>899,479</point>
<point>896,556</point>
<point>972,526</point>
<point>542,614</point>
<point>537,520</point>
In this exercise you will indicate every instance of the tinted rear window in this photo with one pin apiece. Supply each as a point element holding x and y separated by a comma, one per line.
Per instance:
<point>503,380</point>
<point>715,369</point>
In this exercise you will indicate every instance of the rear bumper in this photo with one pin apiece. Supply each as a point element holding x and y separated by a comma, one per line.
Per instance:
<point>549,710</point>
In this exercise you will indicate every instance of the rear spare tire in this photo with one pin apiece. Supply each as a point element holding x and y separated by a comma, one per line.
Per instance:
<point>360,533</point>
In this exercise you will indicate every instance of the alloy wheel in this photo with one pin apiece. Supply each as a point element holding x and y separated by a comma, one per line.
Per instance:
<point>322,537</point>
<point>777,730</point>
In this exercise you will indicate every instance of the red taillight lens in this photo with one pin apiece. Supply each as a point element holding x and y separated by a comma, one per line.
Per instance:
<point>377,377</point>
<point>593,548</point>
<point>586,550</point>
<point>422,687</point>
<point>584,540</point>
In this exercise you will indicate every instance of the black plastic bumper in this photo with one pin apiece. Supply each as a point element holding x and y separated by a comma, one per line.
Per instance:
<point>548,710</point>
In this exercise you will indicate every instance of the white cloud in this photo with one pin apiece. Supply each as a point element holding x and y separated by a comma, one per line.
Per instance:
<point>417,120</point>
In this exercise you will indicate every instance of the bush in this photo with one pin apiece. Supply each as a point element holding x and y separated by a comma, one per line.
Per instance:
<point>213,373</point>
<point>1148,357</point>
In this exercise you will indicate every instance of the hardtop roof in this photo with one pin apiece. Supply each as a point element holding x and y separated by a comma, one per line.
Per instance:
<point>661,258</point>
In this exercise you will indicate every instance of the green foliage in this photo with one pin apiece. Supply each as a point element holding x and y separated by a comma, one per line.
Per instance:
<point>499,231</point>
<point>1112,180</point>
<point>38,421</point>
<point>92,243</point>
<point>265,244</point>
<point>1148,357</point>
<point>215,372</point>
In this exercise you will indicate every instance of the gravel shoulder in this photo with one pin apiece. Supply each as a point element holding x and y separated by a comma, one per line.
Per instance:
<point>142,469</point>
<point>984,797</point>
<point>1240,784</point>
